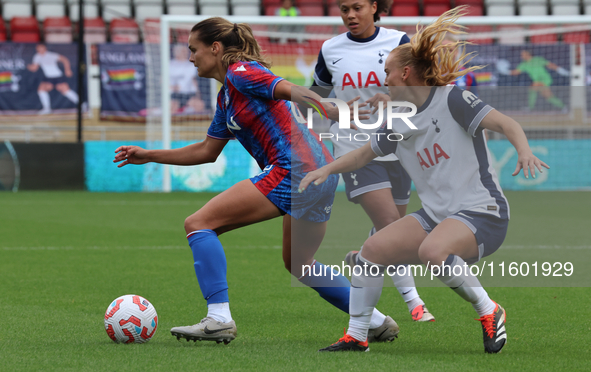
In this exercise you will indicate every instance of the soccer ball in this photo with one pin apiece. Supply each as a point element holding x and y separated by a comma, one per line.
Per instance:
<point>131,319</point>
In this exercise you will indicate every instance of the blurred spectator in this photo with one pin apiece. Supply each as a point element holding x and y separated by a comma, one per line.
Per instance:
<point>183,83</point>
<point>287,9</point>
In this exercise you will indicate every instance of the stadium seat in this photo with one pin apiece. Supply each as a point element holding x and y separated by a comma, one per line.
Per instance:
<point>95,31</point>
<point>475,7</point>
<point>2,30</point>
<point>57,30</point>
<point>213,7</point>
<point>311,10</point>
<point>91,10</point>
<point>271,10</point>
<point>16,8</point>
<point>587,7</point>
<point>532,8</point>
<point>147,9</point>
<point>124,31</point>
<point>500,7</point>
<point>480,29</point>
<point>334,10</point>
<point>246,7</point>
<point>545,38</point>
<point>405,9</point>
<point>25,30</point>
<point>564,7</point>
<point>50,8</point>
<point>513,35</point>
<point>112,9</point>
<point>435,9</point>
<point>181,7</point>
<point>577,37</point>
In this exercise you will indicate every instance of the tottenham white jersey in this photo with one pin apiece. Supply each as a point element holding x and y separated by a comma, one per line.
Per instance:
<point>48,63</point>
<point>446,156</point>
<point>355,67</point>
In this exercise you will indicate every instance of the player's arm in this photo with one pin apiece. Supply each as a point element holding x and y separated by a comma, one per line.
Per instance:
<point>347,163</point>
<point>66,63</point>
<point>526,160</point>
<point>194,154</point>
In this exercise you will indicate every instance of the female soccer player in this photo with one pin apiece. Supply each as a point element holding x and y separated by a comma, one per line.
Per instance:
<point>252,107</point>
<point>353,64</point>
<point>465,214</point>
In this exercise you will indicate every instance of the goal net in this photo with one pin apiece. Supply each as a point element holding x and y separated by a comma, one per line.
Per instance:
<point>534,69</point>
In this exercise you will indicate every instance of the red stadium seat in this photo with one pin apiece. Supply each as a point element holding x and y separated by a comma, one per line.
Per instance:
<point>124,30</point>
<point>542,39</point>
<point>311,10</point>
<point>95,31</point>
<point>25,30</point>
<point>57,30</point>
<point>270,10</point>
<point>435,10</point>
<point>409,9</point>
<point>334,10</point>
<point>479,29</point>
<point>2,30</point>
<point>271,3</point>
<point>577,37</point>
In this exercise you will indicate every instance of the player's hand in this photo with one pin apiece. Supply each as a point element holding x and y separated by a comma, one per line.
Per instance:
<point>68,72</point>
<point>317,177</point>
<point>362,114</point>
<point>529,162</point>
<point>333,114</point>
<point>130,155</point>
<point>375,101</point>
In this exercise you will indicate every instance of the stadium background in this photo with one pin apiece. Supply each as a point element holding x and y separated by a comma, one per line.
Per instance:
<point>123,96</point>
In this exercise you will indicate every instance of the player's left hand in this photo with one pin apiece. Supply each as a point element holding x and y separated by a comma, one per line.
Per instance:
<point>318,176</point>
<point>529,162</point>
<point>68,72</point>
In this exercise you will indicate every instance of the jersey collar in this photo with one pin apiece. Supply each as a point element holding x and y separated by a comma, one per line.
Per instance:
<point>428,101</point>
<point>367,39</point>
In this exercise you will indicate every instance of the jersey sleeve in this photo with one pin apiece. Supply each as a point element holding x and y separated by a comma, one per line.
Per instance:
<point>322,77</point>
<point>381,144</point>
<point>404,39</point>
<point>253,79</point>
<point>36,59</point>
<point>218,128</point>
<point>467,109</point>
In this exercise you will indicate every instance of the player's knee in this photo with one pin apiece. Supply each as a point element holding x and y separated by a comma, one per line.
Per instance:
<point>431,255</point>
<point>193,223</point>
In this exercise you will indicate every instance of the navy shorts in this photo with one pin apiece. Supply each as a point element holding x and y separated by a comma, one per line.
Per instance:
<point>490,231</point>
<point>55,81</point>
<point>378,175</point>
<point>183,98</point>
<point>280,186</point>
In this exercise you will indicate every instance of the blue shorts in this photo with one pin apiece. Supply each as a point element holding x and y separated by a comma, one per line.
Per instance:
<point>490,231</point>
<point>280,186</point>
<point>378,175</point>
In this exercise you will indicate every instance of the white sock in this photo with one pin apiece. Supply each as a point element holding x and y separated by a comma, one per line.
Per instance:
<point>72,96</point>
<point>44,98</point>
<point>377,319</point>
<point>405,284</point>
<point>220,312</point>
<point>466,285</point>
<point>365,294</point>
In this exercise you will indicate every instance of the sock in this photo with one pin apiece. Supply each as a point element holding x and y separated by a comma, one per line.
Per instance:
<point>220,312</point>
<point>406,287</point>
<point>556,102</point>
<point>210,265</point>
<point>366,289</point>
<point>335,291</point>
<point>44,98</point>
<point>466,285</point>
<point>72,96</point>
<point>532,98</point>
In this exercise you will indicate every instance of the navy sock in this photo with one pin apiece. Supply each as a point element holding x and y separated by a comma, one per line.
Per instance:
<point>335,291</point>
<point>210,265</point>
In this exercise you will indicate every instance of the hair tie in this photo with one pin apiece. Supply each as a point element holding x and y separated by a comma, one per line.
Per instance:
<point>235,27</point>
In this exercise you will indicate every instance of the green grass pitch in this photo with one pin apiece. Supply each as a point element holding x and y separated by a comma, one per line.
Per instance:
<point>66,256</point>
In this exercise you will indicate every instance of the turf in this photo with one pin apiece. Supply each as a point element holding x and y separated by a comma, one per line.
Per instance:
<point>66,256</point>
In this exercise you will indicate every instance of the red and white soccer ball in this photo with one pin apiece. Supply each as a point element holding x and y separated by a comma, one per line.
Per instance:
<point>131,319</point>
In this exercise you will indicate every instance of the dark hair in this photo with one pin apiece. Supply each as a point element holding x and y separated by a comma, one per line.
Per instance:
<point>237,39</point>
<point>383,7</point>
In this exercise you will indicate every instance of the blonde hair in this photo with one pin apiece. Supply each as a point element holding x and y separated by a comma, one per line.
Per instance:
<point>237,39</point>
<point>436,63</point>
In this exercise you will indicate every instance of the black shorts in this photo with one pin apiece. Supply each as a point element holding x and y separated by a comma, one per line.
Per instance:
<point>378,175</point>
